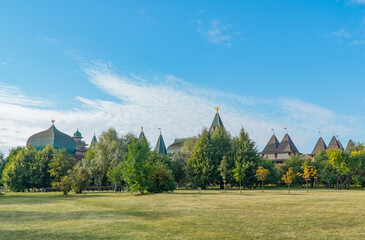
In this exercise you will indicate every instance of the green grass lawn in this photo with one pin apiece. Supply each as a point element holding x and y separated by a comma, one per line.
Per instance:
<point>212,214</point>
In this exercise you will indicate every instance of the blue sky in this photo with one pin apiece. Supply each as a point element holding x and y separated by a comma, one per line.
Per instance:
<point>167,64</point>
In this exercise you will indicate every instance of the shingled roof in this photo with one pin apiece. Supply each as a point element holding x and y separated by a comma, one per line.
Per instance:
<point>141,135</point>
<point>334,144</point>
<point>272,145</point>
<point>320,146</point>
<point>287,145</point>
<point>93,141</point>
<point>350,145</point>
<point>160,146</point>
<point>217,121</point>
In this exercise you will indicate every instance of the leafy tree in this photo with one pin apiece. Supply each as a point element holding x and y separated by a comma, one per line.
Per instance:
<point>161,180</point>
<point>308,173</point>
<point>288,177</point>
<point>261,175</point>
<point>136,167</point>
<point>115,175</point>
<point>80,178</point>
<point>18,174</point>
<point>223,171</point>
<point>200,167</point>
<point>59,166</point>
<point>221,146</point>
<point>337,159</point>
<point>65,185</point>
<point>295,162</point>
<point>3,162</point>
<point>239,172</point>
<point>246,154</point>
<point>178,166</point>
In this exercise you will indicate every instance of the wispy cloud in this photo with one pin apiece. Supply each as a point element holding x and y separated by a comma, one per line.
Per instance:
<point>6,62</point>
<point>46,39</point>
<point>358,1</point>
<point>165,101</point>
<point>341,34</point>
<point>143,12</point>
<point>217,32</point>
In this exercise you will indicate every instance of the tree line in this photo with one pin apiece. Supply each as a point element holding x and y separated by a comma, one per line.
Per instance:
<point>215,159</point>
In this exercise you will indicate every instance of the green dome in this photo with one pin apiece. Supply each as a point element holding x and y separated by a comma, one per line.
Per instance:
<point>77,134</point>
<point>57,139</point>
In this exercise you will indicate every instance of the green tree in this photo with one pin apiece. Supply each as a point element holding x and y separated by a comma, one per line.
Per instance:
<point>3,162</point>
<point>161,180</point>
<point>80,178</point>
<point>59,166</point>
<point>246,154</point>
<point>137,167</point>
<point>223,169</point>
<point>200,167</point>
<point>65,185</point>
<point>308,173</point>
<point>239,172</point>
<point>115,175</point>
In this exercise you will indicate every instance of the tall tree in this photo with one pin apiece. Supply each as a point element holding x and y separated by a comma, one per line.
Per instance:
<point>59,166</point>
<point>223,169</point>
<point>200,167</point>
<point>137,167</point>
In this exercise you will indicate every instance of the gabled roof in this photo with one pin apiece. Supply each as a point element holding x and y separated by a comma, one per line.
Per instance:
<point>141,135</point>
<point>217,121</point>
<point>93,141</point>
<point>350,145</point>
<point>320,146</point>
<point>160,146</point>
<point>272,145</point>
<point>287,145</point>
<point>52,135</point>
<point>334,144</point>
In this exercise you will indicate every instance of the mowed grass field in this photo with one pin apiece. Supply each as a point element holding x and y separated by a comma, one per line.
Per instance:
<point>185,214</point>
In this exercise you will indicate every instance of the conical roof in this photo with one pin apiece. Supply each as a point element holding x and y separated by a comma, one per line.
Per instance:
<point>141,135</point>
<point>287,145</point>
<point>160,146</point>
<point>53,136</point>
<point>77,134</point>
<point>350,145</point>
<point>340,144</point>
<point>320,146</point>
<point>333,144</point>
<point>217,121</point>
<point>93,141</point>
<point>272,145</point>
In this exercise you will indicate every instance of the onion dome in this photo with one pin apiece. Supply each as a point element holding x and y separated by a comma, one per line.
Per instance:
<point>53,136</point>
<point>77,134</point>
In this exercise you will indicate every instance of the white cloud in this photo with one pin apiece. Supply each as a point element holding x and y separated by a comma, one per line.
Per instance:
<point>358,1</point>
<point>217,32</point>
<point>46,39</point>
<point>341,34</point>
<point>167,102</point>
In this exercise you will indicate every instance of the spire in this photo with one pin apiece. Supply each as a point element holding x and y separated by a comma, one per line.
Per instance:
<point>350,145</point>
<point>93,141</point>
<point>160,146</point>
<point>217,121</point>
<point>334,144</point>
<point>320,146</point>
<point>52,121</point>
<point>287,145</point>
<point>141,135</point>
<point>272,145</point>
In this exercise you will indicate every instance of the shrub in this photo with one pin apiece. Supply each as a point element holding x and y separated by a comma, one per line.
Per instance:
<point>161,180</point>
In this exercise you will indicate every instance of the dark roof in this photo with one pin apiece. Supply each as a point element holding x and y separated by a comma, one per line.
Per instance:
<point>178,144</point>
<point>272,145</point>
<point>350,145</point>
<point>334,144</point>
<point>93,141</point>
<point>55,137</point>
<point>160,146</point>
<point>141,135</point>
<point>287,145</point>
<point>340,144</point>
<point>217,121</point>
<point>77,134</point>
<point>320,146</point>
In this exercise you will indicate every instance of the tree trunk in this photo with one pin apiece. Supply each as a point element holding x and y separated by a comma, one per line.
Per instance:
<point>262,185</point>
<point>241,187</point>
<point>306,181</point>
<point>289,188</point>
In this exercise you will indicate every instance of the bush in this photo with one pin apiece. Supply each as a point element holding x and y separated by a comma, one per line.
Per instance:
<point>161,180</point>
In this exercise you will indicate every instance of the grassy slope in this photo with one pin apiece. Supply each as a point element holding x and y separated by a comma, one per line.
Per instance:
<point>323,214</point>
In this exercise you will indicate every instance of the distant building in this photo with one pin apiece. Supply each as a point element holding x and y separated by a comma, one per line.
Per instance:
<point>160,146</point>
<point>279,152</point>
<point>334,144</point>
<point>319,147</point>
<point>217,121</point>
<point>178,144</point>
<point>350,145</point>
<point>81,146</point>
